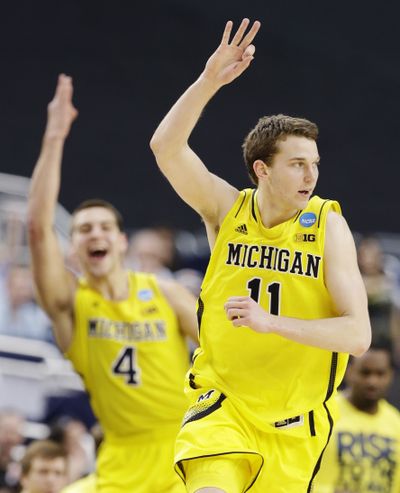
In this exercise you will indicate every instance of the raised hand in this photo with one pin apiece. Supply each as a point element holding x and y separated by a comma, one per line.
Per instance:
<point>60,111</point>
<point>233,57</point>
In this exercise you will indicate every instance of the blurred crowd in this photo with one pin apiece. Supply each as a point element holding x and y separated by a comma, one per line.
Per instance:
<point>66,449</point>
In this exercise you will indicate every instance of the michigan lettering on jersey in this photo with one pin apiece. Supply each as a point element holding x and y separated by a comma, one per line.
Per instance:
<point>272,258</point>
<point>152,330</point>
<point>367,462</point>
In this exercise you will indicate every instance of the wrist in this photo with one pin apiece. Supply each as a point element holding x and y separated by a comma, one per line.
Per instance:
<point>53,137</point>
<point>208,83</point>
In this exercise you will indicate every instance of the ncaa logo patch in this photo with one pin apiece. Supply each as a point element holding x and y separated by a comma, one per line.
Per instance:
<point>307,219</point>
<point>145,294</point>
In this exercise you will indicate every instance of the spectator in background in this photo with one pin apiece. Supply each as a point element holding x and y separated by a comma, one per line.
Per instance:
<point>44,468</point>
<point>363,455</point>
<point>151,250</point>
<point>191,279</point>
<point>20,316</point>
<point>79,445</point>
<point>380,287</point>
<point>11,437</point>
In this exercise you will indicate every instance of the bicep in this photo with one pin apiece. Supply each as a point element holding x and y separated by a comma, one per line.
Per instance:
<point>205,192</point>
<point>342,275</point>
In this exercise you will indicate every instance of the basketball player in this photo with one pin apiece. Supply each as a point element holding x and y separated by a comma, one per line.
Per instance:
<point>282,302</point>
<point>123,331</point>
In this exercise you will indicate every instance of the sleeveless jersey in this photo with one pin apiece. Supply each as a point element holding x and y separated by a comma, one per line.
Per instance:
<point>363,454</point>
<point>269,377</point>
<point>131,356</point>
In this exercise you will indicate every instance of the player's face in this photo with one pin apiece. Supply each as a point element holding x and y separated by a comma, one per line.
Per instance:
<point>45,475</point>
<point>370,376</point>
<point>97,241</point>
<point>291,178</point>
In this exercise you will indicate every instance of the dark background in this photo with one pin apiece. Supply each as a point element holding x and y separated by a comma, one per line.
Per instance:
<point>336,63</point>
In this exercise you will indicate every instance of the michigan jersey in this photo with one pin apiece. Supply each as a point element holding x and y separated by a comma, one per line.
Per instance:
<point>363,455</point>
<point>270,378</point>
<point>131,356</point>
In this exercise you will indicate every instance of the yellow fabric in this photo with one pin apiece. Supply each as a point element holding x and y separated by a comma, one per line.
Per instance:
<point>84,485</point>
<point>228,474</point>
<point>280,462</point>
<point>269,378</point>
<point>363,455</point>
<point>138,467</point>
<point>133,467</point>
<point>131,356</point>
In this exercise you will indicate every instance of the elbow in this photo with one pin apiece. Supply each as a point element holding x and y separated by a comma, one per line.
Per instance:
<point>362,345</point>
<point>35,230</point>
<point>156,144</point>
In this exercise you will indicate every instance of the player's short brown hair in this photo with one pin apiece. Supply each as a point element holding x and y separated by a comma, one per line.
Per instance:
<point>87,204</point>
<point>262,141</point>
<point>45,449</point>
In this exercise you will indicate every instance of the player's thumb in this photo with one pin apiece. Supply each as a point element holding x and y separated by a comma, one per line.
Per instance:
<point>249,51</point>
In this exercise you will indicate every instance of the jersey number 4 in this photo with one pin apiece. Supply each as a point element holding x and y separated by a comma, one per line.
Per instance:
<point>126,365</point>
<point>274,290</point>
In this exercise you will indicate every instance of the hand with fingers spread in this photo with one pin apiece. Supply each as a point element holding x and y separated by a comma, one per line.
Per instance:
<point>233,57</point>
<point>60,111</point>
<point>244,311</point>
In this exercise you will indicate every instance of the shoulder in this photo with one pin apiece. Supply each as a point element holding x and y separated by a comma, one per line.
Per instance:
<point>390,411</point>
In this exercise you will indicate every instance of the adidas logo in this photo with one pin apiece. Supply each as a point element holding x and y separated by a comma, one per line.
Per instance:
<point>242,229</point>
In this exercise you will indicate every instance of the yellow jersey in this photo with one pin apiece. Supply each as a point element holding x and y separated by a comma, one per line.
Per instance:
<point>131,356</point>
<point>363,455</point>
<point>270,378</point>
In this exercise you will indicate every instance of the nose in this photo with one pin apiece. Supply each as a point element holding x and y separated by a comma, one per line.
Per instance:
<point>95,231</point>
<point>310,173</point>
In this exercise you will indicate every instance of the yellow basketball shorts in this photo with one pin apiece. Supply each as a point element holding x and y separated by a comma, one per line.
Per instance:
<point>217,447</point>
<point>140,464</point>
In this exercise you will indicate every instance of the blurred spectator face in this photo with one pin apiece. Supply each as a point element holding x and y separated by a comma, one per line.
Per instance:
<point>10,433</point>
<point>150,250</point>
<point>20,286</point>
<point>370,256</point>
<point>45,475</point>
<point>370,376</point>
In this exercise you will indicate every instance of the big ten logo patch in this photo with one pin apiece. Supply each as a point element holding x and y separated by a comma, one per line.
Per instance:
<point>304,237</point>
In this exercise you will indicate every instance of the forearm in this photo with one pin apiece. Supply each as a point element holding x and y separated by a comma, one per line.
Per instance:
<point>345,334</point>
<point>45,183</point>
<point>174,130</point>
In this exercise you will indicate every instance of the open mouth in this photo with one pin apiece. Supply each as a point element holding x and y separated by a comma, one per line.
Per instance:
<point>98,253</point>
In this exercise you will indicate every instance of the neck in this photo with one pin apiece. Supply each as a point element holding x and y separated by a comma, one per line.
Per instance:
<point>114,286</point>
<point>272,213</point>
<point>366,406</point>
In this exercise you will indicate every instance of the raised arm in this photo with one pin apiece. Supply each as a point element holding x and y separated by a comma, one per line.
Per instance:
<point>209,195</point>
<point>350,331</point>
<point>54,284</point>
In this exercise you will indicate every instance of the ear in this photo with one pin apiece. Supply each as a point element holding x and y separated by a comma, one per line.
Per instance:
<point>124,243</point>
<point>260,169</point>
